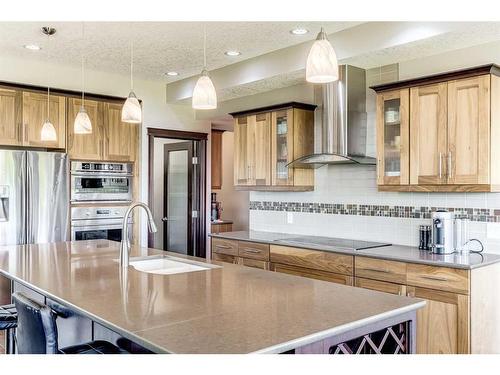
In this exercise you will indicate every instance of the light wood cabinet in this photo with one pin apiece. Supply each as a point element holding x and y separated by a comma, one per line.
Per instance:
<point>110,140</point>
<point>443,324</point>
<point>380,286</point>
<point>86,146</point>
<point>454,126</point>
<point>469,131</point>
<point>35,115</point>
<point>266,141</point>
<point>120,139</point>
<point>10,117</point>
<point>216,159</point>
<point>221,227</point>
<point>428,145</point>
<point>312,273</point>
<point>393,138</point>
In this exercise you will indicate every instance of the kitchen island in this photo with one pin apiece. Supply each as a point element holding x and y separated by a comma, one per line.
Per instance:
<point>224,309</point>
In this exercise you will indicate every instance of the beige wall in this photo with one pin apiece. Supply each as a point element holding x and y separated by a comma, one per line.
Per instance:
<point>234,202</point>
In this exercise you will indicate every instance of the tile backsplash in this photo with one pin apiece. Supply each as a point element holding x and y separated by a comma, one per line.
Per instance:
<point>347,204</point>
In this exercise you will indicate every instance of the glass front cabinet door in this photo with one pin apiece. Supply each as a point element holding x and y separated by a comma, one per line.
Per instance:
<point>393,138</point>
<point>282,139</point>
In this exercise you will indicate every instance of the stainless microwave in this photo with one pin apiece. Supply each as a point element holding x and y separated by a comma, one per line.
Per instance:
<point>92,181</point>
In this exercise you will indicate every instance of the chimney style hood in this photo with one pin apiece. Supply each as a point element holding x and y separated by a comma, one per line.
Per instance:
<point>340,122</point>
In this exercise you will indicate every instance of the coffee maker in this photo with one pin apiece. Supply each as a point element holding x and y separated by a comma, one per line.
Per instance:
<point>443,236</point>
<point>216,208</point>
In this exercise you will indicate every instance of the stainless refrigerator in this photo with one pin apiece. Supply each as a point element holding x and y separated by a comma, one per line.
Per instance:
<point>34,197</point>
<point>34,201</point>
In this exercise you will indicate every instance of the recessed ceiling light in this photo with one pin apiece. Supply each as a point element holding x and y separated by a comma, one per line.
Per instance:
<point>232,53</point>
<point>172,74</point>
<point>32,47</point>
<point>299,31</point>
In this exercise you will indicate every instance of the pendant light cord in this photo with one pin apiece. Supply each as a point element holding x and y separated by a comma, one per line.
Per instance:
<point>83,64</point>
<point>204,46</point>
<point>131,65</point>
<point>48,85</point>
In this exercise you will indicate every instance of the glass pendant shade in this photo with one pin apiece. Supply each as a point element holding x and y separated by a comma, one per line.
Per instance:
<point>204,95</point>
<point>48,132</point>
<point>82,122</point>
<point>322,65</point>
<point>131,111</point>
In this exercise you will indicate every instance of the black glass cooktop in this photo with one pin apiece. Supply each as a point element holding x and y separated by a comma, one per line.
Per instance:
<point>340,243</point>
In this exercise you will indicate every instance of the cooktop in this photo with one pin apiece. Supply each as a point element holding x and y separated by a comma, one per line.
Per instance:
<point>340,243</point>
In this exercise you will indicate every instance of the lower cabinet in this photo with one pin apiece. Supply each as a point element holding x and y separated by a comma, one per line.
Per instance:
<point>381,286</point>
<point>312,274</point>
<point>443,324</point>
<point>261,264</point>
<point>224,258</point>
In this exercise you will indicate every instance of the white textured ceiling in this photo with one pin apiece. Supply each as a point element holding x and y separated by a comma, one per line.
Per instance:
<point>158,46</point>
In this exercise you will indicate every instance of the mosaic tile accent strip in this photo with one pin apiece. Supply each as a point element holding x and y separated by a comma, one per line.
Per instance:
<point>409,212</point>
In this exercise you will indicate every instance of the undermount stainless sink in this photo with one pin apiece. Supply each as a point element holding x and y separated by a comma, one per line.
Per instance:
<point>167,265</point>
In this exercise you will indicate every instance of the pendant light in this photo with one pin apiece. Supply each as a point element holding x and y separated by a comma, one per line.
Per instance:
<point>131,111</point>
<point>322,65</point>
<point>204,95</point>
<point>48,133</point>
<point>82,124</point>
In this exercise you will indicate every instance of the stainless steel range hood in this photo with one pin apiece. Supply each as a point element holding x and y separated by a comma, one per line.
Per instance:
<point>340,122</point>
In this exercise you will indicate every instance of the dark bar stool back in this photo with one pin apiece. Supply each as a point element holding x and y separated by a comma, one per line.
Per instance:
<point>36,331</point>
<point>8,323</point>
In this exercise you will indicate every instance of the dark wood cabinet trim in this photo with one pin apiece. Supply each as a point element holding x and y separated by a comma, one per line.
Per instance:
<point>440,77</point>
<point>63,92</point>
<point>309,107</point>
<point>176,134</point>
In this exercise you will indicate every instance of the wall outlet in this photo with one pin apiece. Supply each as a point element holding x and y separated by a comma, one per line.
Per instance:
<point>289,217</point>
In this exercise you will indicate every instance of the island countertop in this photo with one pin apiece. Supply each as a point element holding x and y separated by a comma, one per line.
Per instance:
<point>399,253</point>
<point>231,309</point>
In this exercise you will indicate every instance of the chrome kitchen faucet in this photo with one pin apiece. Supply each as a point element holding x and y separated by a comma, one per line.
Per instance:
<point>125,243</point>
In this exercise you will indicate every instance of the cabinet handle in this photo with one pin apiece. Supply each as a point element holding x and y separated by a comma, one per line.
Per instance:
<point>18,132</point>
<point>222,246</point>
<point>249,250</point>
<point>377,270</point>
<point>26,132</point>
<point>434,278</point>
<point>440,165</point>
<point>449,170</point>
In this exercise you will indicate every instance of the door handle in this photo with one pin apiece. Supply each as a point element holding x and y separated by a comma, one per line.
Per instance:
<point>440,165</point>
<point>449,170</point>
<point>164,219</point>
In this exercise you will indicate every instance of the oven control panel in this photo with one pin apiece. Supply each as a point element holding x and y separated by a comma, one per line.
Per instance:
<point>81,166</point>
<point>96,213</point>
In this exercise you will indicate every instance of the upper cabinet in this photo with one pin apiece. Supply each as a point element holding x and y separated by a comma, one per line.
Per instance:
<point>86,146</point>
<point>120,139</point>
<point>35,115</point>
<point>22,115</point>
<point>453,126</point>
<point>11,102</point>
<point>392,142</point>
<point>111,139</point>
<point>216,158</point>
<point>266,140</point>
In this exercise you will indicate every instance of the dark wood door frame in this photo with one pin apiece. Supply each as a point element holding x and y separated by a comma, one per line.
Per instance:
<point>202,157</point>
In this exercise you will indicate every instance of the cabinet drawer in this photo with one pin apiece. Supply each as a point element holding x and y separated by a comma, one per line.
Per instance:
<point>439,278</point>
<point>222,246</point>
<point>312,274</point>
<point>379,269</point>
<point>253,250</point>
<point>253,263</point>
<point>381,286</point>
<point>318,260</point>
<point>224,258</point>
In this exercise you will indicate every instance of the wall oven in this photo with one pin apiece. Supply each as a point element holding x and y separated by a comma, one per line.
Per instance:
<point>92,181</point>
<point>98,223</point>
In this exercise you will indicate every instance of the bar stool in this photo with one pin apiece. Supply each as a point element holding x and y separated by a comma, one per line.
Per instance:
<point>36,332</point>
<point>8,323</point>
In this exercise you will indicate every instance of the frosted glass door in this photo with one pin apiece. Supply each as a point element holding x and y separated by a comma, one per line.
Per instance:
<point>282,138</point>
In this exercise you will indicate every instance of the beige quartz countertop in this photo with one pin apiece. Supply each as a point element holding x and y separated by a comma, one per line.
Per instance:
<point>231,309</point>
<point>393,252</point>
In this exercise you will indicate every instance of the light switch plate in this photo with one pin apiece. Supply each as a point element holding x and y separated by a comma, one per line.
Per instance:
<point>289,217</point>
